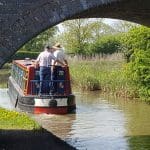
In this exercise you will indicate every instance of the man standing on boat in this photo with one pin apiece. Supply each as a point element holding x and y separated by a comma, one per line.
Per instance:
<point>44,61</point>
<point>59,54</point>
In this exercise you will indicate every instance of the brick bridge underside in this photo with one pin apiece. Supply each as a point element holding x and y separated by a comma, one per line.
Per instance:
<point>21,20</point>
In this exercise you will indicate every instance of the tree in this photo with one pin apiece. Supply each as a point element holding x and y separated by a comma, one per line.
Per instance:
<point>99,29</point>
<point>37,43</point>
<point>107,44</point>
<point>75,36</point>
<point>137,43</point>
<point>80,33</point>
<point>136,38</point>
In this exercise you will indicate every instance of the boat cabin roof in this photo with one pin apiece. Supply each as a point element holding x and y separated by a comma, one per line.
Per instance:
<point>24,63</point>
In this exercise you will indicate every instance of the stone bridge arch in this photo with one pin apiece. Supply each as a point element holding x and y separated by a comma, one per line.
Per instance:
<point>21,20</point>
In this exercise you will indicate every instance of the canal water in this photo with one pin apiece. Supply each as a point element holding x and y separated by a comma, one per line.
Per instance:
<point>4,100</point>
<point>101,122</point>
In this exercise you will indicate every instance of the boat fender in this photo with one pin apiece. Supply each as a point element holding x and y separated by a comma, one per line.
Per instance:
<point>53,103</point>
<point>16,101</point>
<point>71,100</point>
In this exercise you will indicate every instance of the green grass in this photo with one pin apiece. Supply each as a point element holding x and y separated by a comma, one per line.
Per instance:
<point>4,75</point>
<point>12,119</point>
<point>105,75</point>
<point>16,120</point>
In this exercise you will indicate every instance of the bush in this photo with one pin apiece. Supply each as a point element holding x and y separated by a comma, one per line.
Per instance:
<point>139,72</point>
<point>137,52</point>
<point>136,38</point>
<point>106,45</point>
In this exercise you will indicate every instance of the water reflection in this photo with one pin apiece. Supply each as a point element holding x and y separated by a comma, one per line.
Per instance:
<point>60,125</point>
<point>4,100</point>
<point>101,122</point>
<point>96,125</point>
<point>136,114</point>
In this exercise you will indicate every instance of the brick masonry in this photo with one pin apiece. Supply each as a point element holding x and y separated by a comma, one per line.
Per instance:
<point>21,20</point>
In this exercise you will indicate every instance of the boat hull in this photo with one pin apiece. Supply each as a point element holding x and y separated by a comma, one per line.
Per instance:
<point>49,104</point>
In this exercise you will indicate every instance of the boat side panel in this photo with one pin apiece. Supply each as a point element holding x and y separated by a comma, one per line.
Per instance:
<point>53,105</point>
<point>24,100</point>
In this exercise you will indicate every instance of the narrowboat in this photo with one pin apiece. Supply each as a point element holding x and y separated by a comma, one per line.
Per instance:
<point>23,89</point>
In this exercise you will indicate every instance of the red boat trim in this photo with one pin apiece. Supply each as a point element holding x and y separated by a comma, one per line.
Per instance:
<point>47,110</point>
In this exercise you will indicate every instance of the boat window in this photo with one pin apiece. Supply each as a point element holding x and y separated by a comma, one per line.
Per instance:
<point>19,75</point>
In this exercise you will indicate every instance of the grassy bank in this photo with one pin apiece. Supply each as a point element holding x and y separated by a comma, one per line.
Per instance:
<point>4,74</point>
<point>12,119</point>
<point>105,75</point>
<point>16,120</point>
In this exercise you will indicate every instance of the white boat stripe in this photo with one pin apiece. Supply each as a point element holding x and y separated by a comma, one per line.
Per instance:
<point>39,102</point>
